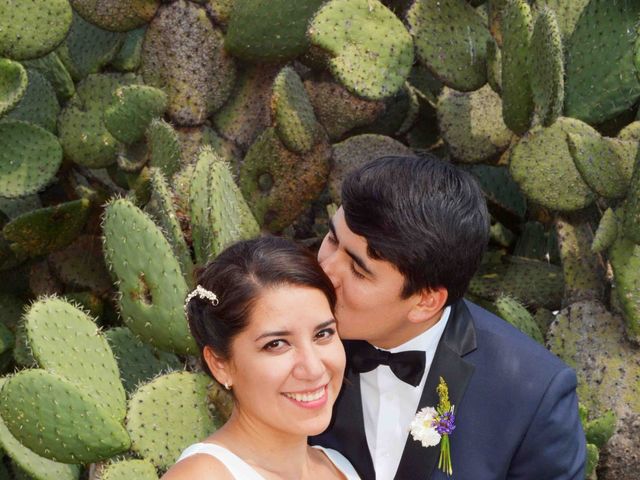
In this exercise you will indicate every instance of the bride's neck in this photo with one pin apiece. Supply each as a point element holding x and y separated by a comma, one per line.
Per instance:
<point>277,451</point>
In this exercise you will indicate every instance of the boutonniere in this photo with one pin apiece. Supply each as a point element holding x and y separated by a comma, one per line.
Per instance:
<point>434,425</point>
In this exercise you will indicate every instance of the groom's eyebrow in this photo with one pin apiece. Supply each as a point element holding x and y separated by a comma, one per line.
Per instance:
<point>356,258</point>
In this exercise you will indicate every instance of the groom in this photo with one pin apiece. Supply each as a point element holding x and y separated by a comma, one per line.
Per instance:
<point>401,252</point>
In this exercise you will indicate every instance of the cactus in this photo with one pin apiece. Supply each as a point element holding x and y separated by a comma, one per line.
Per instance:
<point>567,13</point>
<point>504,198</point>
<point>39,105</point>
<point>269,30</point>
<point>371,67</point>
<point>451,40</point>
<point>33,30</point>
<point>494,66</point>
<point>546,67</point>
<point>607,231</point>
<point>517,315</point>
<point>625,260</point>
<point>181,32</point>
<point>632,207</point>
<point>52,68</point>
<point>13,84</point>
<point>163,145</point>
<point>127,469</point>
<point>599,430</point>
<point>29,158</point>
<point>151,284</point>
<point>131,111</point>
<point>129,56</point>
<point>175,404</point>
<point>116,15</point>
<point>471,124</point>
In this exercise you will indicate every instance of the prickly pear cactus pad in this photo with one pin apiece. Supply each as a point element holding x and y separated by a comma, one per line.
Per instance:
<point>625,260</point>
<point>39,105</point>
<point>116,15</point>
<point>132,109</point>
<point>471,124</point>
<point>129,469</point>
<point>152,288</point>
<point>128,57</point>
<point>183,55</point>
<point>71,429</point>
<point>175,405</point>
<point>505,200</point>
<point>293,114</point>
<point>52,325</point>
<point>370,51</point>
<point>269,30</point>
<point>546,67</point>
<point>451,39</point>
<point>601,77</point>
<point>29,158</point>
<point>632,207</point>
<point>543,167</point>
<point>13,84</point>
<point>56,74</point>
<point>37,467</point>
<point>607,231</point>
<point>34,29</point>
<point>517,315</point>
<point>277,183</point>
<point>567,13</point>
<point>164,147</point>
<point>598,164</point>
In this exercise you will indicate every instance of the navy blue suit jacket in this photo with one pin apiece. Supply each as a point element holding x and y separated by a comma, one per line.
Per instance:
<point>515,403</point>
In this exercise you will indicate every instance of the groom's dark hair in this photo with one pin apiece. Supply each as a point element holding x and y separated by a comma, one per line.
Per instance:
<point>423,215</point>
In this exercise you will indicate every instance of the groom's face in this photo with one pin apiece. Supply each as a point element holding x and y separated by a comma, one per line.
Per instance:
<point>370,306</point>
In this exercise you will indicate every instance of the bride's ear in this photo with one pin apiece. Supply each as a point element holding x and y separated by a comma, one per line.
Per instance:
<point>218,367</point>
<point>429,305</point>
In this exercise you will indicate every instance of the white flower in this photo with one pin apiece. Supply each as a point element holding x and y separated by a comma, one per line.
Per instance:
<point>422,428</point>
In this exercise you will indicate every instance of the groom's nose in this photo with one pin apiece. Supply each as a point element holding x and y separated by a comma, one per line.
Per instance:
<point>329,264</point>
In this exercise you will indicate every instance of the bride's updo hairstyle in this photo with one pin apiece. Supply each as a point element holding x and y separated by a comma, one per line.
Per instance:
<point>237,277</point>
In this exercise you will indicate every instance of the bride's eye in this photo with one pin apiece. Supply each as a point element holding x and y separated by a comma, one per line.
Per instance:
<point>274,345</point>
<point>325,333</point>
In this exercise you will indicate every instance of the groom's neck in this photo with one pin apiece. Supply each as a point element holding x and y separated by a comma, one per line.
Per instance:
<point>407,332</point>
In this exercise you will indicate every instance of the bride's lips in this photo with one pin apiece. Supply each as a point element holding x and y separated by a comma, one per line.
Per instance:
<point>308,399</point>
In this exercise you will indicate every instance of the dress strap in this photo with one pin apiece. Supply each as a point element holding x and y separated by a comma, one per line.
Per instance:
<point>341,462</point>
<point>240,469</point>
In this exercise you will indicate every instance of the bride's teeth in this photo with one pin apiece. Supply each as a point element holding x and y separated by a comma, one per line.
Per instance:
<point>306,397</point>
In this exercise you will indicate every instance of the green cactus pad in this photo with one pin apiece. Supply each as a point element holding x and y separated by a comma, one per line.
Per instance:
<point>269,30</point>
<point>128,469</point>
<point>131,111</point>
<point>13,84</point>
<point>183,55</point>
<point>138,362</point>
<point>600,430</point>
<point>37,467</point>
<point>277,183</point>
<point>631,132</point>
<point>517,99</point>
<point>21,350</point>
<point>494,66</point>
<point>116,15</point>
<point>219,212</point>
<point>601,78</point>
<point>33,30</point>
<point>355,152</point>
<point>88,48</point>
<point>505,199</point>
<point>161,208</point>
<point>338,110</point>
<point>607,232</point>
<point>175,404</point>
<point>533,241</point>
<point>39,105</point>
<point>451,40</point>
<point>567,13</point>
<point>152,288</point>
<point>164,147</point>
<point>10,310</point>
<point>625,260</point>
<point>593,457</point>
<point>7,340</point>
<point>371,65</point>
<point>517,315</point>
<point>29,158</point>
<point>543,167</point>
<point>54,325</point>
<point>84,137</point>
<point>129,56</point>
<point>292,112</point>
<point>47,229</point>
<point>598,164</point>
<point>546,67</point>
<point>56,74</point>
<point>57,420</point>
<point>632,207</point>
<point>471,124</point>
<point>398,115</point>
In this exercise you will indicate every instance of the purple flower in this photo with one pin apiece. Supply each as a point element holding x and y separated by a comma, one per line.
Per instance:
<point>445,423</point>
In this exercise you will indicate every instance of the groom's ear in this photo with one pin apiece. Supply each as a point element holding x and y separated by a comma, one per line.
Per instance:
<point>429,304</point>
<point>217,366</point>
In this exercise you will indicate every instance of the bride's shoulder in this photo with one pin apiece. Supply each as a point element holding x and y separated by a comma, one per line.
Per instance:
<point>198,466</point>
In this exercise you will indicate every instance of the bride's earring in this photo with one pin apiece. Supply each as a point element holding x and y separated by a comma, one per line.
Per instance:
<point>227,386</point>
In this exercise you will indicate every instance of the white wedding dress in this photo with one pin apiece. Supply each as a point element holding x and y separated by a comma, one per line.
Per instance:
<point>241,470</point>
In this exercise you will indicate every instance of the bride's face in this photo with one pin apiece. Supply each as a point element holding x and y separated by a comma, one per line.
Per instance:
<point>287,365</point>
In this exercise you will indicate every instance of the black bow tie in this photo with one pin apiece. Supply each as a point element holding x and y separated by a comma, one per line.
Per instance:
<point>407,366</point>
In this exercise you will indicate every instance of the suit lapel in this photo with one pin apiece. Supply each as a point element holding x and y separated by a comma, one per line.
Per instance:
<point>457,340</point>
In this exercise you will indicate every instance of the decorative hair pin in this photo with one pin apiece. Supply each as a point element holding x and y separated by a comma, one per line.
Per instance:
<point>203,293</point>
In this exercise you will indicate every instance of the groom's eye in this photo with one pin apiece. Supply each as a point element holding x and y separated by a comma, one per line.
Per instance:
<point>356,272</point>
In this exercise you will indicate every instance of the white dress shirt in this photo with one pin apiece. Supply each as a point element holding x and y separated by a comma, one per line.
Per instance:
<point>389,404</point>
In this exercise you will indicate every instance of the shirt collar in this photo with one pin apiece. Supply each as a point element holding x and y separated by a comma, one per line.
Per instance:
<point>428,339</point>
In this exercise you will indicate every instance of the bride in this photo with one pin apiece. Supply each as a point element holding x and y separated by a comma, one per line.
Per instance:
<point>262,316</point>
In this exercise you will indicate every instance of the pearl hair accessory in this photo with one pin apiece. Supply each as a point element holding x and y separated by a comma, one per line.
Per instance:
<point>203,293</point>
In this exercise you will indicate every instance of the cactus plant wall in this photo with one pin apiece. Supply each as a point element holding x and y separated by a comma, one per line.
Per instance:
<point>139,137</point>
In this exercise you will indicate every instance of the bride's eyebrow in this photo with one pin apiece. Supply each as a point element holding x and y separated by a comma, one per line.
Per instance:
<point>356,258</point>
<point>276,333</point>
<point>325,324</point>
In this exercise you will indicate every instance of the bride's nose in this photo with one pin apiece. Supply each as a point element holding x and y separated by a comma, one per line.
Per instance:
<point>309,364</point>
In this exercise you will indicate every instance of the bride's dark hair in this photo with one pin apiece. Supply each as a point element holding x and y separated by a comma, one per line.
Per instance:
<point>237,276</point>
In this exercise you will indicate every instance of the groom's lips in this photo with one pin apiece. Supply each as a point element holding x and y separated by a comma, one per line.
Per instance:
<point>310,398</point>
